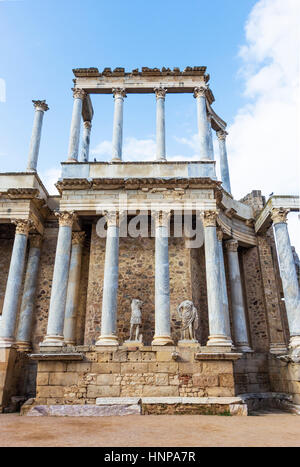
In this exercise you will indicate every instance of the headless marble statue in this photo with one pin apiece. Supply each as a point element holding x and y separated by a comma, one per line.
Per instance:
<point>189,320</point>
<point>136,320</point>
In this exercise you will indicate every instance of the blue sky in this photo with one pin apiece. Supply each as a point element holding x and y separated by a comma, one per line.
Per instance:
<point>248,46</point>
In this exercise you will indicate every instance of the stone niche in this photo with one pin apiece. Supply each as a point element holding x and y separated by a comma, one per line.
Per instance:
<point>122,372</point>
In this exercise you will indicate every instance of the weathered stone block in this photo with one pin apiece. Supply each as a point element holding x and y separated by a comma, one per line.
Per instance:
<point>81,367</point>
<point>103,391</point>
<point>162,379</point>
<point>190,368</point>
<point>104,357</point>
<point>163,367</point>
<point>135,367</point>
<point>203,381</point>
<point>105,380</point>
<point>216,368</point>
<point>106,368</point>
<point>50,391</point>
<point>226,380</point>
<point>158,391</point>
<point>42,379</point>
<point>220,392</point>
<point>63,379</point>
<point>51,366</point>
<point>164,356</point>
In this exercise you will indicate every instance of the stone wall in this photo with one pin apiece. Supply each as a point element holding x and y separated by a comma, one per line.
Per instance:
<point>251,373</point>
<point>285,377</point>
<point>136,280</point>
<point>123,373</point>
<point>7,232</point>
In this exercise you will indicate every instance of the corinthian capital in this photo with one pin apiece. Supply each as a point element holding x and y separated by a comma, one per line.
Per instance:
<point>35,240</point>
<point>161,218</point>
<point>209,218</point>
<point>200,91</point>
<point>66,218</point>
<point>160,93</point>
<point>40,105</point>
<point>279,215</point>
<point>222,135</point>
<point>78,238</point>
<point>22,226</point>
<point>113,218</point>
<point>119,92</point>
<point>232,245</point>
<point>78,93</point>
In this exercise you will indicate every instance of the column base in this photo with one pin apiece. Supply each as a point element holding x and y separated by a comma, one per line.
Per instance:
<point>162,340</point>
<point>109,340</point>
<point>278,349</point>
<point>218,341</point>
<point>53,341</point>
<point>70,342</point>
<point>243,347</point>
<point>161,159</point>
<point>23,346</point>
<point>71,160</point>
<point>116,159</point>
<point>7,342</point>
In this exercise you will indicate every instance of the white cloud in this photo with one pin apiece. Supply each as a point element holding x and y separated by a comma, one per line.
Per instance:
<point>2,90</point>
<point>263,142</point>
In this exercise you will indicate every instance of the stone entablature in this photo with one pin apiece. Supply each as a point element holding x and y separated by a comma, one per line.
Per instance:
<point>264,219</point>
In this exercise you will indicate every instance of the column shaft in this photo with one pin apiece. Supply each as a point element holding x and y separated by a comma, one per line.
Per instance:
<point>110,284</point>
<point>162,281</point>
<point>224,287</point>
<point>117,139</point>
<point>14,284</point>
<point>56,317</point>
<point>210,139</point>
<point>40,108</point>
<point>218,329</point>
<point>288,275</point>
<point>84,156</point>
<point>237,301</point>
<point>78,95</point>
<point>224,169</point>
<point>160,124</point>
<point>27,306</point>
<point>73,289</point>
<point>203,130</point>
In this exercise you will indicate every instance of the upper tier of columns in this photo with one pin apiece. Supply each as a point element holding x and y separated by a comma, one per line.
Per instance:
<point>204,119</point>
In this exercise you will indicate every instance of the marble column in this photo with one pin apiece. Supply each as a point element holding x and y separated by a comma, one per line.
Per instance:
<point>241,339</point>
<point>210,138</point>
<point>203,128</point>
<point>14,283</point>
<point>73,288</point>
<point>162,334</point>
<point>108,334</point>
<point>23,339</point>
<point>218,329</point>
<point>288,275</point>
<point>85,149</point>
<point>55,328</point>
<point>160,124</point>
<point>40,108</point>
<point>224,285</point>
<point>119,95</point>
<point>224,169</point>
<point>79,95</point>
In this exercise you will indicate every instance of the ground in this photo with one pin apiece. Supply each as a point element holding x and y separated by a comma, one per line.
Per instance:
<point>261,429</point>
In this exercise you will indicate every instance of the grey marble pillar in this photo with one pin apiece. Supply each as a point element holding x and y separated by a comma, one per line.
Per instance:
<point>288,274</point>
<point>224,169</point>
<point>203,129</point>
<point>210,138</point>
<point>162,334</point>
<point>119,95</point>
<point>108,335</point>
<point>23,339</point>
<point>160,124</point>
<point>14,283</point>
<point>55,328</point>
<point>40,108</point>
<point>241,339</point>
<point>79,95</point>
<point>218,329</point>
<point>224,285</point>
<point>73,288</point>
<point>85,149</point>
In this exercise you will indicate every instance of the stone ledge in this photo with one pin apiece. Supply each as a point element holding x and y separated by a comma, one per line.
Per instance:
<point>83,410</point>
<point>217,356</point>
<point>56,356</point>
